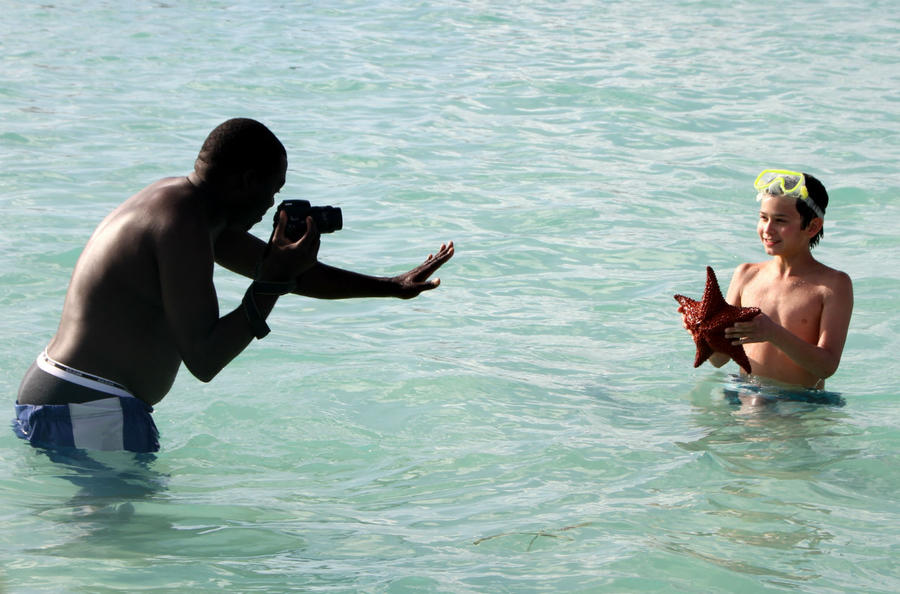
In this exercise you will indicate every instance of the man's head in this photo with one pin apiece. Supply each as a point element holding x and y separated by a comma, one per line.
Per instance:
<point>237,146</point>
<point>809,194</point>
<point>246,164</point>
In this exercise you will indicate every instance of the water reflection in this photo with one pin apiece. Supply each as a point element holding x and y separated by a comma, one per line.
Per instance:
<point>734,413</point>
<point>122,510</point>
<point>106,478</point>
<point>762,455</point>
<point>108,485</point>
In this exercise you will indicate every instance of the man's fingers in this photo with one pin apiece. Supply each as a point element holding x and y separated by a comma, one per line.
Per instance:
<point>280,226</point>
<point>310,229</point>
<point>433,262</point>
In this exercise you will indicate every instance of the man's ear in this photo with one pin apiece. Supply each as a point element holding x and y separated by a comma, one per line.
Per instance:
<point>248,178</point>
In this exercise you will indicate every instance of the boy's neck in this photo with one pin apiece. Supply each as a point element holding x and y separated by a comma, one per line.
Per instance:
<point>793,265</point>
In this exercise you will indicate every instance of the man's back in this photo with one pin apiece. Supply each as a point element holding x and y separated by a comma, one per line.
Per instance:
<point>113,322</point>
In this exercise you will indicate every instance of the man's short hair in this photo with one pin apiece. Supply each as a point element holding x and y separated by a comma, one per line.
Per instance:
<point>819,195</point>
<point>239,145</point>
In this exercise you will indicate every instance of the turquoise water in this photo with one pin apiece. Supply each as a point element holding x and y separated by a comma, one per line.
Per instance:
<point>535,424</point>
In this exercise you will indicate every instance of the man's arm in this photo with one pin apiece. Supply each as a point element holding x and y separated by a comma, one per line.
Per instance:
<point>206,342</point>
<point>239,252</point>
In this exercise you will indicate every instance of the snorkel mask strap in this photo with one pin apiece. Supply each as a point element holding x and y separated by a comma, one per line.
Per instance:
<point>780,182</point>
<point>813,206</point>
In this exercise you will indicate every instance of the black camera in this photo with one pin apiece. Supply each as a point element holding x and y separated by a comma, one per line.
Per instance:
<point>328,218</point>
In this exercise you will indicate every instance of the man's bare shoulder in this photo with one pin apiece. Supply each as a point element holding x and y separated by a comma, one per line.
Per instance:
<point>167,193</point>
<point>164,205</point>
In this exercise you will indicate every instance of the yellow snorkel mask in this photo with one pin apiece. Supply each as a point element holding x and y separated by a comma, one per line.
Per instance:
<point>780,182</point>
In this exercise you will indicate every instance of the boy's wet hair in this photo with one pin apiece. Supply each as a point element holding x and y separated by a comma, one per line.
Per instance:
<point>819,195</point>
<point>238,145</point>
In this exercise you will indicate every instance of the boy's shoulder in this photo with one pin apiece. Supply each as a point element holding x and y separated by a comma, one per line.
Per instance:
<point>817,274</point>
<point>833,280</point>
<point>747,271</point>
<point>826,276</point>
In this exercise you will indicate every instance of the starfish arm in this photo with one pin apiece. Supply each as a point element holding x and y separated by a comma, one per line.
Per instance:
<point>712,295</point>
<point>703,352</point>
<point>715,336</point>
<point>741,359</point>
<point>690,308</point>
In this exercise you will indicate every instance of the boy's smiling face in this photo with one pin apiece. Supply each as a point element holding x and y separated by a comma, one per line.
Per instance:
<point>779,226</point>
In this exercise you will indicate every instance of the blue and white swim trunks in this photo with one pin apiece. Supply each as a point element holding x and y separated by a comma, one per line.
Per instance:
<point>100,414</point>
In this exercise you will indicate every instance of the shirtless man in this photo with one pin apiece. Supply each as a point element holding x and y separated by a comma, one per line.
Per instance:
<point>142,301</point>
<point>799,336</point>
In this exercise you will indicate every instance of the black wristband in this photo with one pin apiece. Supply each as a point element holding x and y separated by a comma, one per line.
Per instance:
<point>257,323</point>
<point>273,287</point>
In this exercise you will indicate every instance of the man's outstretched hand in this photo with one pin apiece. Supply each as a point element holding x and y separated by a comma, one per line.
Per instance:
<point>416,280</point>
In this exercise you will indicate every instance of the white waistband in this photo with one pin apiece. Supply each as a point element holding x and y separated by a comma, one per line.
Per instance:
<point>75,376</point>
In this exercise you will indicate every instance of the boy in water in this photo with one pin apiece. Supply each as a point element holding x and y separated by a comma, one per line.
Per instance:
<point>799,336</point>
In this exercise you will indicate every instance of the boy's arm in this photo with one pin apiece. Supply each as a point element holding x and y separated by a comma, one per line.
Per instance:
<point>820,359</point>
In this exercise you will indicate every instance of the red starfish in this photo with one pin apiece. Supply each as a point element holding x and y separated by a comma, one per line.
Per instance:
<point>707,320</point>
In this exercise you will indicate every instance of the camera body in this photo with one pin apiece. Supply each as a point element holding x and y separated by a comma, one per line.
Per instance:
<point>328,218</point>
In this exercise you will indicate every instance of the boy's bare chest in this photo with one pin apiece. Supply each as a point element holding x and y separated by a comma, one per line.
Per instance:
<point>793,303</point>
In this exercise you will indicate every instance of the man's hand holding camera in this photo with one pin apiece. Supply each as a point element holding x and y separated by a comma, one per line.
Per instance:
<point>287,259</point>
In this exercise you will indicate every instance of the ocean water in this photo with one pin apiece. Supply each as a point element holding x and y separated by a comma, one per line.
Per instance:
<point>535,424</point>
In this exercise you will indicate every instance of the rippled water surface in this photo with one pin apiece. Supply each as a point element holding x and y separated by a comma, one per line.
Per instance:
<point>535,423</point>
